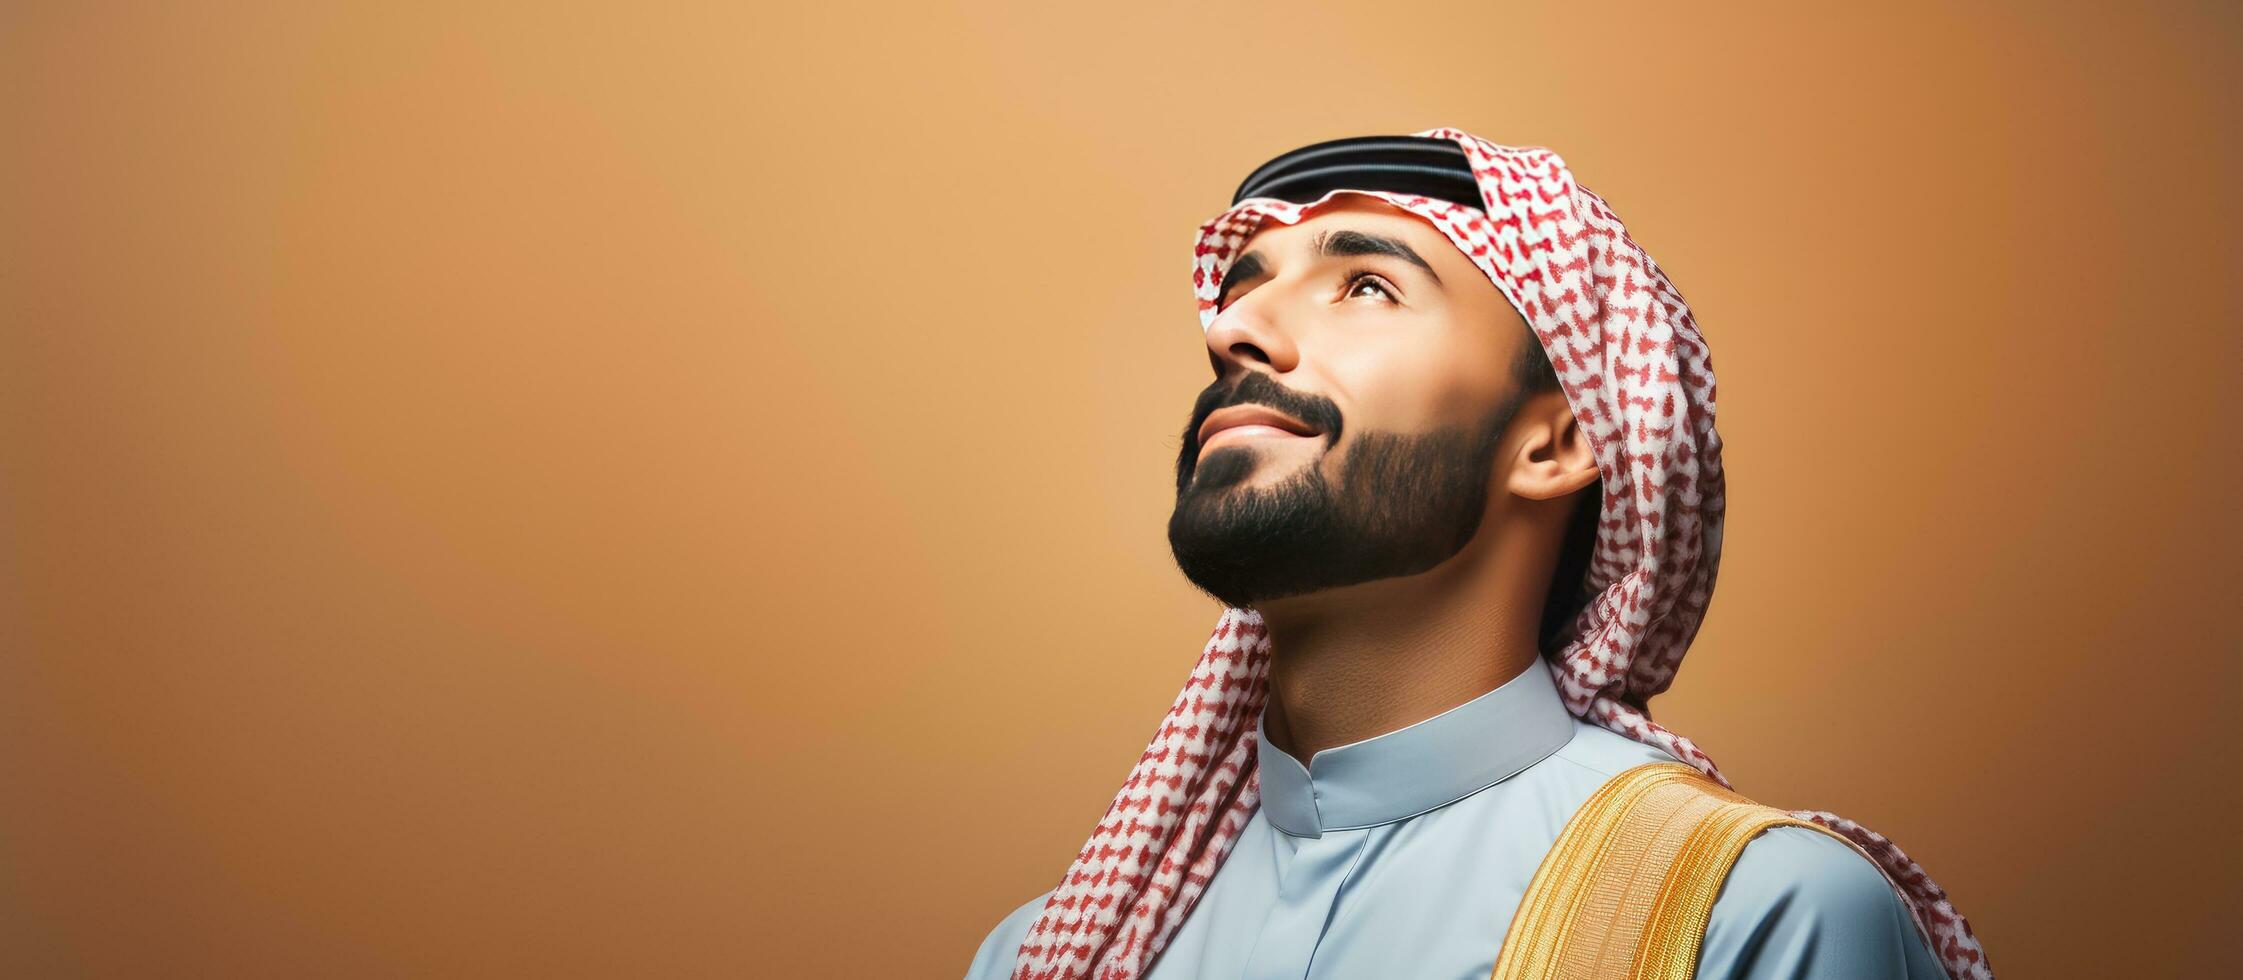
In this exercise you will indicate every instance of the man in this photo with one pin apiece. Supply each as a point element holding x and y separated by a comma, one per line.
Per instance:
<point>1460,553</point>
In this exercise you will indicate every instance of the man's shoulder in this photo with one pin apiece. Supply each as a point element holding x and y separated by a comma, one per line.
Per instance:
<point>1809,900</point>
<point>1796,899</point>
<point>1799,865</point>
<point>994,960</point>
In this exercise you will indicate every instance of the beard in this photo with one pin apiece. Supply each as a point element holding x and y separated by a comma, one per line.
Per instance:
<point>1402,504</point>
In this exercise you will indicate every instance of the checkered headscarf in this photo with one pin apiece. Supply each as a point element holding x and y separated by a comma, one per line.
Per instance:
<point>1640,382</point>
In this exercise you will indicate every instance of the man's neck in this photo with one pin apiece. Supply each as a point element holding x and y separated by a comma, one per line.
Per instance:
<point>1363,660</point>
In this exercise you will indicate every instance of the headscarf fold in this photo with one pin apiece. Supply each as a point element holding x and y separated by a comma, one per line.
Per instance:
<point>1639,379</point>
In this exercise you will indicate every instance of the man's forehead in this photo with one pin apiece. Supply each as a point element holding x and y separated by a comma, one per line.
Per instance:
<point>1345,225</point>
<point>1350,211</point>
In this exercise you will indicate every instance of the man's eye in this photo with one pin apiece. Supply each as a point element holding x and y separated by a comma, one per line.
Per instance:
<point>1357,283</point>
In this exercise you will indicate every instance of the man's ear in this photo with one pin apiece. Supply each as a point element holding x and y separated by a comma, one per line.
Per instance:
<point>1552,457</point>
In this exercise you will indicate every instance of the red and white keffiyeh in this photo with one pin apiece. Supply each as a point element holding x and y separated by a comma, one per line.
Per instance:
<point>1640,381</point>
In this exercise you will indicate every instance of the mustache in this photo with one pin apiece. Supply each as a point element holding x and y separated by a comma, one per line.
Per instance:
<point>1254,388</point>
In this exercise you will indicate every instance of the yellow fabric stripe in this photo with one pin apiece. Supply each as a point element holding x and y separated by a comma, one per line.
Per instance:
<point>1627,888</point>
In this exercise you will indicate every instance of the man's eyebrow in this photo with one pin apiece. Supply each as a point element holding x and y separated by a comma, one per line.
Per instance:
<point>1342,243</point>
<point>1332,244</point>
<point>1247,267</point>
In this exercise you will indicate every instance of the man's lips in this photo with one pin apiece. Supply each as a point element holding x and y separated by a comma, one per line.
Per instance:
<point>1248,421</point>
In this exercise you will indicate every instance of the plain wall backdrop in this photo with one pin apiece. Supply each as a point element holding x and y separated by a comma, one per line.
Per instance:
<point>520,491</point>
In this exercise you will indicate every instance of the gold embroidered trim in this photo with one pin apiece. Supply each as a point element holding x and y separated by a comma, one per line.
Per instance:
<point>1627,888</point>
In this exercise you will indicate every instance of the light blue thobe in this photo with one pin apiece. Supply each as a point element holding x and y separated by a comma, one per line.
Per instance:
<point>1405,854</point>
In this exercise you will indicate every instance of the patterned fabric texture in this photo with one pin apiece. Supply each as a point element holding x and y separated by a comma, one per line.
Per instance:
<point>1640,382</point>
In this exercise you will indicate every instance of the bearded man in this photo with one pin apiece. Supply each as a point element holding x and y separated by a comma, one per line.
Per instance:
<point>1457,484</point>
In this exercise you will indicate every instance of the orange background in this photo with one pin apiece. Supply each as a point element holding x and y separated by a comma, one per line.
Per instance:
<point>520,493</point>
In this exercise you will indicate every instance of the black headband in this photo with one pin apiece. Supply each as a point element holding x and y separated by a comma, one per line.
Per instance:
<point>1423,165</point>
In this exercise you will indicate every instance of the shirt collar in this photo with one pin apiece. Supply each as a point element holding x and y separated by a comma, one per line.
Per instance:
<point>1416,768</point>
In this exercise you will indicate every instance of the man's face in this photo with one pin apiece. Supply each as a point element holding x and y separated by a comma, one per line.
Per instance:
<point>1363,388</point>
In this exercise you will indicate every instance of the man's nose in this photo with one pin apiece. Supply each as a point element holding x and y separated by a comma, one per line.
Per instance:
<point>1245,334</point>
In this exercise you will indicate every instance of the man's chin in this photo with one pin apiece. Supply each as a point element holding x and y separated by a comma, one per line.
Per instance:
<point>1227,468</point>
